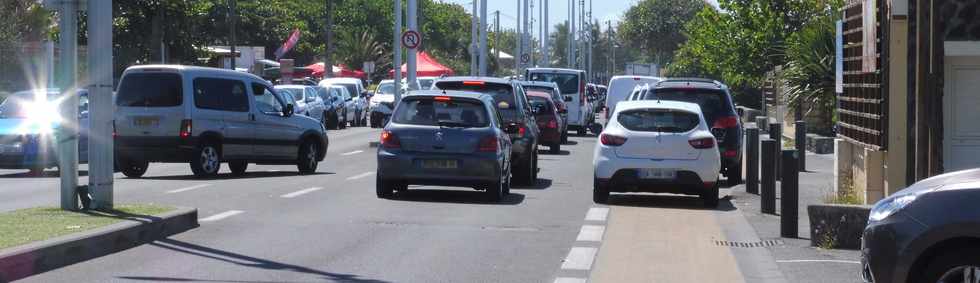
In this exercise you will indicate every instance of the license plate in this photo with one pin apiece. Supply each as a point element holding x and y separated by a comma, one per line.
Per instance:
<point>11,149</point>
<point>146,122</point>
<point>439,164</point>
<point>657,173</point>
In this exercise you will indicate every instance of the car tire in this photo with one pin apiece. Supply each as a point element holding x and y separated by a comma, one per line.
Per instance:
<point>238,167</point>
<point>133,168</point>
<point>946,264</point>
<point>307,162</point>
<point>383,189</point>
<point>534,170</point>
<point>555,148</point>
<point>35,172</point>
<point>710,196</point>
<point>334,121</point>
<point>507,183</point>
<point>343,125</point>
<point>206,161</point>
<point>600,192</point>
<point>495,192</point>
<point>580,131</point>
<point>734,174</point>
<point>564,137</point>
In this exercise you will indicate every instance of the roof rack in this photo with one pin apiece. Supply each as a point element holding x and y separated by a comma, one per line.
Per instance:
<point>690,80</point>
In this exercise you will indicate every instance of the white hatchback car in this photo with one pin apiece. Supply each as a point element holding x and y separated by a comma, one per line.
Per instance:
<point>658,147</point>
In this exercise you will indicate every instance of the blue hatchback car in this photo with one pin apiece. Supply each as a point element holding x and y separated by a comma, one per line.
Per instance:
<point>446,138</point>
<point>28,121</point>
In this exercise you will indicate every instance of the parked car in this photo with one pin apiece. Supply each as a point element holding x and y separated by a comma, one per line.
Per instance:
<point>205,116</point>
<point>334,104</point>
<point>718,108</point>
<point>383,102</point>
<point>572,84</point>
<point>620,87</point>
<point>447,139</point>
<point>426,82</point>
<point>659,147</point>
<point>547,116</point>
<point>308,102</point>
<point>927,232</point>
<point>515,111</point>
<point>359,95</point>
<point>29,121</point>
<point>557,98</point>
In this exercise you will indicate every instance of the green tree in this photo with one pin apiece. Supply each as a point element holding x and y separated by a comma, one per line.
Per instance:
<point>653,27</point>
<point>810,73</point>
<point>20,22</point>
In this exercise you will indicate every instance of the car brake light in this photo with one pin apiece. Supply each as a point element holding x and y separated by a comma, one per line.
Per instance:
<point>471,83</point>
<point>612,140</point>
<point>186,127</point>
<point>581,92</point>
<point>389,140</point>
<point>443,98</point>
<point>521,131</point>
<point>114,134</point>
<point>726,122</point>
<point>709,184</point>
<point>488,144</point>
<point>552,124</point>
<point>729,153</point>
<point>702,143</point>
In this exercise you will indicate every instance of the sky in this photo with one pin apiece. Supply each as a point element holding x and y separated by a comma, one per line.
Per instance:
<point>602,10</point>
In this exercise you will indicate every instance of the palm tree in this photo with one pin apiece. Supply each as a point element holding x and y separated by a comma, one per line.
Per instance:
<point>357,48</point>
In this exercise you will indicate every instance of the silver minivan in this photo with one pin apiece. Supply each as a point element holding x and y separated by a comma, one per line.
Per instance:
<point>206,116</point>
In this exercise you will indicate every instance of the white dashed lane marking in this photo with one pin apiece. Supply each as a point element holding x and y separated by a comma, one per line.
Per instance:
<point>188,188</point>
<point>220,216</point>
<point>597,214</point>
<point>352,153</point>
<point>301,192</point>
<point>579,258</point>
<point>570,280</point>
<point>591,233</point>
<point>818,260</point>
<point>358,176</point>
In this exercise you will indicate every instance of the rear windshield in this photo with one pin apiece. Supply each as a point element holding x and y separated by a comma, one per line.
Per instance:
<point>426,83</point>
<point>540,104</point>
<point>567,83</point>
<point>658,120</point>
<point>502,94</point>
<point>296,93</point>
<point>455,113</point>
<point>351,88</point>
<point>150,90</point>
<point>713,102</point>
<point>386,88</point>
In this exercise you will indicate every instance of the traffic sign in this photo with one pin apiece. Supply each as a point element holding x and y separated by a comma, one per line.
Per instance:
<point>411,39</point>
<point>525,58</point>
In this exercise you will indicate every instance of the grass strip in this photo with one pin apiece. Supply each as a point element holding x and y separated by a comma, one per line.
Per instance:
<point>28,225</point>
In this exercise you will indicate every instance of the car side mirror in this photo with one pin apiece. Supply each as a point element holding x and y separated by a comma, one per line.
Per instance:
<point>512,128</point>
<point>349,99</point>
<point>310,99</point>
<point>288,110</point>
<point>568,99</point>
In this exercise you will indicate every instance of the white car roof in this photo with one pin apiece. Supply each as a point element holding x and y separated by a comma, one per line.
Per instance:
<point>657,104</point>
<point>192,70</point>
<point>341,80</point>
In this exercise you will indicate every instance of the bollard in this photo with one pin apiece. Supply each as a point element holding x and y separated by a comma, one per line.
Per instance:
<point>789,196</point>
<point>801,145</point>
<point>762,122</point>
<point>776,133</point>
<point>752,161</point>
<point>768,185</point>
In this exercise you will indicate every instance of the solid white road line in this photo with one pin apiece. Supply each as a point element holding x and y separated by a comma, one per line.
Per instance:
<point>818,260</point>
<point>358,176</point>
<point>591,233</point>
<point>579,258</point>
<point>220,216</point>
<point>570,280</point>
<point>188,188</point>
<point>352,153</point>
<point>301,192</point>
<point>597,214</point>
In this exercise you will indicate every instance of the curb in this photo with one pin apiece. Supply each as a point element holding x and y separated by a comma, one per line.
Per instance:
<point>39,257</point>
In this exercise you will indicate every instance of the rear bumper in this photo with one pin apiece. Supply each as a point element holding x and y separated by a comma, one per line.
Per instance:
<point>155,149</point>
<point>626,180</point>
<point>550,137</point>
<point>608,166</point>
<point>471,170</point>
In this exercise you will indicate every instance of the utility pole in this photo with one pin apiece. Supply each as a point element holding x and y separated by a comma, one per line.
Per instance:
<point>591,75</point>
<point>573,40</point>
<point>232,14</point>
<point>397,64</point>
<point>67,133</point>
<point>483,38</point>
<point>496,33</point>
<point>545,50</point>
<point>328,48</point>
<point>412,51</point>
<point>474,34</point>
<point>100,152</point>
<point>526,46</point>
<point>519,38</point>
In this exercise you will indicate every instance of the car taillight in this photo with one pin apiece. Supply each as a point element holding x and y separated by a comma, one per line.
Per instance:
<point>726,122</point>
<point>488,144</point>
<point>729,153</point>
<point>114,134</point>
<point>521,131</point>
<point>186,128</point>
<point>612,140</point>
<point>709,185</point>
<point>552,124</point>
<point>389,140</point>
<point>702,143</point>
<point>581,92</point>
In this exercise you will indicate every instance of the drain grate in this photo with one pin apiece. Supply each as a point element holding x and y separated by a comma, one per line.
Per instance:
<point>759,244</point>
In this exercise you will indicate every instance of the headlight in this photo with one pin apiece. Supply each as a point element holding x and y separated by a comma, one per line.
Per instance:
<point>886,207</point>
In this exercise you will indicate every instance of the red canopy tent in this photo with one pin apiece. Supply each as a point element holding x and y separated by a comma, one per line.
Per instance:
<point>338,71</point>
<point>425,67</point>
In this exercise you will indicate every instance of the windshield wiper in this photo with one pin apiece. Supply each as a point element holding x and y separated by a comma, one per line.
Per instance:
<point>453,124</point>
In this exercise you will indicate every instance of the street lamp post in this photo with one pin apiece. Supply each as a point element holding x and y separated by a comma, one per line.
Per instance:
<point>100,153</point>
<point>67,133</point>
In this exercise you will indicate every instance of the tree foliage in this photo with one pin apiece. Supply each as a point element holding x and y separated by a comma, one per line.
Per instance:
<point>653,27</point>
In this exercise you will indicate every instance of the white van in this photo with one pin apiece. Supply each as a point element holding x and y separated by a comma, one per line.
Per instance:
<point>620,88</point>
<point>572,85</point>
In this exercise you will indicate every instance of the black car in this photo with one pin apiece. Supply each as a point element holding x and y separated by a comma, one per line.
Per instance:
<point>444,139</point>
<point>928,232</point>
<point>515,111</point>
<point>719,112</point>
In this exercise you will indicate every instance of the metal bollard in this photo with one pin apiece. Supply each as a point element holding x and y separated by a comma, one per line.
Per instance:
<point>752,161</point>
<point>762,122</point>
<point>789,196</point>
<point>776,133</point>
<point>768,185</point>
<point>801,145</point>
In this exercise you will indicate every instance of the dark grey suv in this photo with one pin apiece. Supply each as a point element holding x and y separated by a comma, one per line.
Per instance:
<point>444,139</point>
<point>928,232</point>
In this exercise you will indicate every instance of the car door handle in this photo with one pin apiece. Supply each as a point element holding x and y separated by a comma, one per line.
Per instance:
<point>251,117</point>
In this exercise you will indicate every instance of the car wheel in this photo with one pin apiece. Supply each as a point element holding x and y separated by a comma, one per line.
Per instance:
<point>534,170</point>
<point>35,172</point>
<point>334,122</point>
<point>555,148</point>
<point>133,168</point>
<point>581,131</point>
<point>384,189</point>
<point>238,167</point>
<point>600,192</point>
<point>507,183</point>
<point>710,196</point>
<point>961,264</point>
<point>343,125</point>
<point>495,192</point>
<point>734,174</point>
<point>307,158</point>
<point>206,162</point>
<point>564,137</point>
